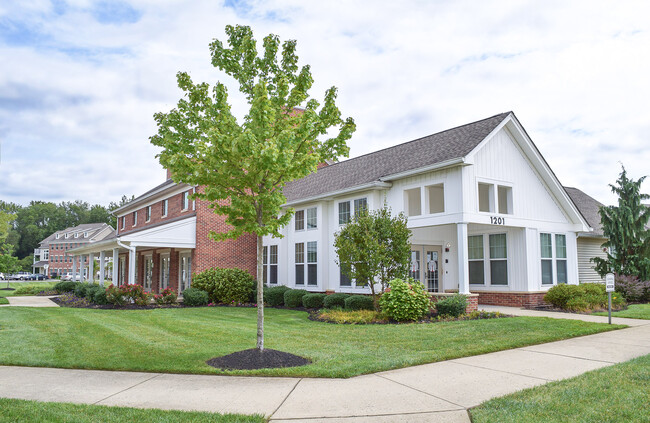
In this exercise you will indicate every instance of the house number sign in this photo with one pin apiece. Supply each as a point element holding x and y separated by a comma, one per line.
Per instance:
<point>497,220</point>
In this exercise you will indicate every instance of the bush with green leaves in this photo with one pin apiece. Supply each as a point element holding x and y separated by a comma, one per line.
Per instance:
<point>100,297</point>
<point>359,302</point>
<point>166,297</point>
<point>583,297</point>
<point>27,290</point>
<point>116,296</point>
<point>91,290</point>
<point>253,298</point>
<point>225,285</point>
<point>80,290</point>
<point>275,296</point>
<point>405,300</point>
<point>293,297</point>
<point>633,288</point>
<point>195,297</point>
<point>335,300</point>
<point>65,286</point>
<point>313,300</point>
<point>453,306</point>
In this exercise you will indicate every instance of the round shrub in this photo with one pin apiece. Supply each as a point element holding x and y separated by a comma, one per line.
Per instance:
<point>359,302</point>
<point>195,297</point>
<point>225,285</point>
<point>293,297</point>
<point>115,295</point>
<point>65,286</point>
<point>405,300</point>
<point>335,300</point>
<point>80,290</point>
<point>559,295</point>
<point>313,300</point>
<point>275,296</point>
<point>166,296</point>
<point>91,290</point>
<point>100,297</point>
<point>453,306</point>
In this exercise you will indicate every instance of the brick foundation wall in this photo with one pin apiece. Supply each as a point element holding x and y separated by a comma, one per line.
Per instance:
<point>511,299</point>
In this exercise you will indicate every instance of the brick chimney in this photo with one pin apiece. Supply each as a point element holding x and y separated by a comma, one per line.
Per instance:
<point>169,174</point>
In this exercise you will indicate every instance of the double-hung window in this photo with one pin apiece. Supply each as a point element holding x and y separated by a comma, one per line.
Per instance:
<point>165,207</point>
<point>270,261</point>
<point>300,263</point>
<point>299,220</point>
<point>148,214</point>
<point>553,258</point>
<point>312,218</point>
<point>476,260</point>
<point>308,216</point>
<point>135,218</point>
<point>123,222</point>
<point>186,200</point>
<point>498,260</point>
<point>312,263</point>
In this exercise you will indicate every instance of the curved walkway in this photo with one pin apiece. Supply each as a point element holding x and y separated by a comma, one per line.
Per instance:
<point>31,301</point>
<point>437,392</point>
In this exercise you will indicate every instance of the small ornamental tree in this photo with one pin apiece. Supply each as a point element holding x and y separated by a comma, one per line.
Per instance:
<point>625,226</point>
<point>242,166</point>
<point>374,247</point>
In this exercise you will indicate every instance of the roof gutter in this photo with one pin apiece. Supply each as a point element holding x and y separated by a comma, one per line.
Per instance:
<point>436,166</point>
<point>331,194</point>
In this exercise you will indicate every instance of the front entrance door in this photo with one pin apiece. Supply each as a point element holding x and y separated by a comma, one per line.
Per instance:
<point>426,266</point>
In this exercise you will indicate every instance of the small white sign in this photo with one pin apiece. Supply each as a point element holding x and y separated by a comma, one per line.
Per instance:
<point>609,282</point>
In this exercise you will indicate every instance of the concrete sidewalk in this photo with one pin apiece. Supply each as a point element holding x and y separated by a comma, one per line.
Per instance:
<point>437,392</point>
<point>31,301</point>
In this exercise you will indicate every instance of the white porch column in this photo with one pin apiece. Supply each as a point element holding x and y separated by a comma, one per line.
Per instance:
<point>116,264</point>
<point>75,259</point>
<point>131,266</point>
<point>463,255</point>
<point>102,264</point>
<point>82,268</point>
<point>91,264</point>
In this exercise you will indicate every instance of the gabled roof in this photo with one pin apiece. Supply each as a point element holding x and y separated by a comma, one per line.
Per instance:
<point>588,207</point>
<point>423,152</point>
<point>93,229</point>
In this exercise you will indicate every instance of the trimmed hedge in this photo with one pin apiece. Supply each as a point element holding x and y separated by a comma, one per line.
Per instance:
<point>313,300</point>
<point>293,297</point>
<point>359,302</point>
<point>225,285</point>
<point>275,296</point>
<point>194,297</point>
<point>583,297</point>
<point>335,300</point>
<point>453,306</point>
<point>65,286</point>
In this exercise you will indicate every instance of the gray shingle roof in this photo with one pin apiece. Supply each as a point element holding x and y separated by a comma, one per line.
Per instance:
<point>430,150</point>
<point>588,207</point>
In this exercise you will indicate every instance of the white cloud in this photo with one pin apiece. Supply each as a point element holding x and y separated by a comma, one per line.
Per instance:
<point>76,101</point>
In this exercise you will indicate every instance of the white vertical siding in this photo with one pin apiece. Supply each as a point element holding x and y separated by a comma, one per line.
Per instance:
<point>588,248</point>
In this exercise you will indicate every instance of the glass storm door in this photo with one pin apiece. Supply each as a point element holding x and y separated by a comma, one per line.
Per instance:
<point>148,272</point>
<point>425,266</point>
<point>164,272</point>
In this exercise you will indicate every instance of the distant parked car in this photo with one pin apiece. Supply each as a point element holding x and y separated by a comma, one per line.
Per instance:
<point>38,277</point>
<point>22,276</point>
<point>69,277</point>
<point>2,276</point>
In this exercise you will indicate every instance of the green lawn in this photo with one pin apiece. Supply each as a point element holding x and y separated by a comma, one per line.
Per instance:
<point>634,311</point>
<point>32,411</point>
<point>614,394</point>
<point>181,340</point>
<point>15,285</point>
<point>3,300</point>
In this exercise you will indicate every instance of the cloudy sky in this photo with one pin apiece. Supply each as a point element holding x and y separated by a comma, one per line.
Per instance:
<point>80,80</point>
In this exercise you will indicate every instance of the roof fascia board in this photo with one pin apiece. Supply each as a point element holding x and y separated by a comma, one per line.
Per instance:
<point>328,195</point>
<point>152,198</point>
<point>519,135</point>
<point>469,159</point>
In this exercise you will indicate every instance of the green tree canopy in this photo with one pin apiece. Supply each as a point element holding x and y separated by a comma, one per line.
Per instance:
<point>374,248</point>
<point>626,227</point>
<point>242,166</point>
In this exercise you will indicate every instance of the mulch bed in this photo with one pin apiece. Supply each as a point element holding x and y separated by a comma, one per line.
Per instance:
<point>315,316</point>
<point>253,359</point>
<point>7,289</point>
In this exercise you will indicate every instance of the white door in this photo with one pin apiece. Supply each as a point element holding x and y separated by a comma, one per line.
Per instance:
<point>164,272</point>
<point>148,272</point>
<point>425,266</point>
<point>185,272</point>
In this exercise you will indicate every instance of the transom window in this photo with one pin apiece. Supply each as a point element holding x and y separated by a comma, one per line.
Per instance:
<point>553,258</point>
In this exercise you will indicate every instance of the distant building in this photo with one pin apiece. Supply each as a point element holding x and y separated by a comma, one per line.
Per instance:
<point>51,258</point>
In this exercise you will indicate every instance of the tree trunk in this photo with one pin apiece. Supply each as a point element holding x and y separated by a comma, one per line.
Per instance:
<point>260,294</point>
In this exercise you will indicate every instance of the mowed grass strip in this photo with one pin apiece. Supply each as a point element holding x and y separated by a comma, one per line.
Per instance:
<point>33,411</point>
<point>43,286</point>
<point>634,311</point>
<point>181,340</point>
<point>613,394</point>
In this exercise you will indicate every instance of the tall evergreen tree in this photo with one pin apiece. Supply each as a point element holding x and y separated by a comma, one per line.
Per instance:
<point>626,227</point>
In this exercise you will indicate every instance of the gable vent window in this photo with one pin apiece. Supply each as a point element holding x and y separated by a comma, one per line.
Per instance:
<point>505,199</point>
<point>436,194</point>
<point>413,202</point>
<point>485,197</point>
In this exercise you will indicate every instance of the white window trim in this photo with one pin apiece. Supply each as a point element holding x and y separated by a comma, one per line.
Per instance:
<point>185,198</point>
<point>494,199</point>
<point>426,207</point>
<point>353,209</point>
<point>165,203</point>
<point>553,259</point>
<point>147,212</point>
<point>135,218</point>
<point>487,275</point>
<point>305,220</point>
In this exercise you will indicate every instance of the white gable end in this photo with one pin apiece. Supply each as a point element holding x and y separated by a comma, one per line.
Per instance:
<point>500,160</point>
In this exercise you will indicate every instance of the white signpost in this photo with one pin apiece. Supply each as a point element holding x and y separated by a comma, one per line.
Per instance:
<point>609,288</point>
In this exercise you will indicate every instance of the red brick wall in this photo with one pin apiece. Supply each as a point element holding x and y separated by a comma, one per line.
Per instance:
<point>511,299</point>
<point>240,253</point>
<point>174,210</point>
